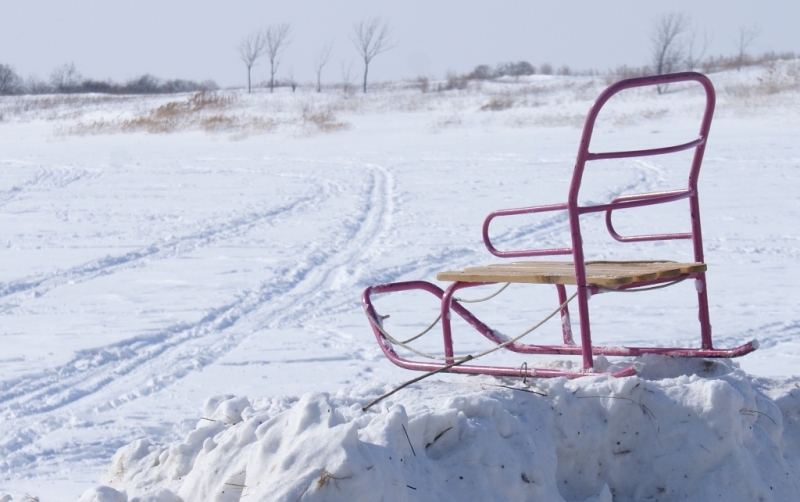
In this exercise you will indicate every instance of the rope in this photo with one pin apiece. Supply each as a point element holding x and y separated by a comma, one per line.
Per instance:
<point>469,357</point>
<point>439,317</point>
<point>630,262</point>
<point>478,300</point>
<point>430,327</point>
<point>405,343</point>
<point>457,361</point>
<point>481,354</point>
<point>533,328</point>
<point>649,288</point>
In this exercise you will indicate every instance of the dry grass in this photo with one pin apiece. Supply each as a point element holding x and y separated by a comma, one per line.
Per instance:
<point>324,121</point>
<point>53,107</point>
<point>212,112</point>
<point>497,104</point>
<point>548,120</point>
<point>534,102</point>
<point>777,79</point>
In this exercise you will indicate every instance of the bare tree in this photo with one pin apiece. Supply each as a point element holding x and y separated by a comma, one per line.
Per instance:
<point>371,37</point>
<point>747,35</point>
<point>9,80</point>
<point>667,49</point>
<point>320,62</point>
<point>277,40</point>
<point>347,71</point>
<point>693,61</point>
<point>65,78</point>
<point>252,48</point>
<point>292,81</point>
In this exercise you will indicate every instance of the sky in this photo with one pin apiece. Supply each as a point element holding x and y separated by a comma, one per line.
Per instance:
<point>198,39</point>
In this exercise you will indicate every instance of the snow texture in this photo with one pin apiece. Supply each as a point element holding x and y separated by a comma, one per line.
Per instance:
<point>697,430</point>
<point>155,251</point>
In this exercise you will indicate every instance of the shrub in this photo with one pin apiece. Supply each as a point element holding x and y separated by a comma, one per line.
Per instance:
<point>10,82</point>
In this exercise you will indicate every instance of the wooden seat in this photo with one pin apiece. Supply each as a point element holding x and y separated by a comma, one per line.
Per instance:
<point>598,273</point>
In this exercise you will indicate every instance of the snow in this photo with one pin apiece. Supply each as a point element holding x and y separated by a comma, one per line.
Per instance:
<point>224,254</point>
<point>683,429</point>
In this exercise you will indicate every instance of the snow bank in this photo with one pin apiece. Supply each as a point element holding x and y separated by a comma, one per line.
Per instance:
<point>682,429</point>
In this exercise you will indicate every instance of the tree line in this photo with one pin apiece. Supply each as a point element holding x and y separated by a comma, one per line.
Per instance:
<point>66,79</point>
<point>370,37</point>
<point>675,45</point>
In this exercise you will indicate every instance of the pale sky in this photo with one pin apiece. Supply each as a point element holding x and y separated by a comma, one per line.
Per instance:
<point>197,40</point>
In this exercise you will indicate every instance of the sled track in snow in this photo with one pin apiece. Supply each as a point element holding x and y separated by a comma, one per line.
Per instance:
<point>45,179</point>
<point>43,402</point>
<point>207,235</point>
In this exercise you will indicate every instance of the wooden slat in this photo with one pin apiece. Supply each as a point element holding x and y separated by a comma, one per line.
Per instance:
<point>604,273</point>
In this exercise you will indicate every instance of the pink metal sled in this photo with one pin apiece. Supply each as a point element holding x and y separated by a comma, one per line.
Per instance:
<point>590,278</point>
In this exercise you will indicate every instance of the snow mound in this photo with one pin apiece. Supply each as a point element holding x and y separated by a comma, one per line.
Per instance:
<point>681,430</point>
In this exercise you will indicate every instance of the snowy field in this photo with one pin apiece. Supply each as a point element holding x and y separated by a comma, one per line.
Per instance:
<point>180,282</point>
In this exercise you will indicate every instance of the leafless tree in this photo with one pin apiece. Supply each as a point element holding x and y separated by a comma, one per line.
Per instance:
<point>693,61</point>
<point>292,81</point>
<point>320,62</point>
<point>667,48</point>
<point>252,48</point>
<point>65,78</point>
<point>371,37</point>
<point>747,35</point>
<point>347,72</point>
<point>277,40</point>
<point>9,80</point>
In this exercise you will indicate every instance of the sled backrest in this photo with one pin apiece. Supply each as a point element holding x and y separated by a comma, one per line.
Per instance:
<point>629,201</point>
<point>575,210</point>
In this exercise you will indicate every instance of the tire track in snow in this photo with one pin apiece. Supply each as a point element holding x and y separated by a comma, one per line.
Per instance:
<point>38,404</point>
<point>369,232</point>
<point>120,351</point>
<point>544,232</point>
<point>168,249</point>
<point>768,336</point>
<point>44,179</point>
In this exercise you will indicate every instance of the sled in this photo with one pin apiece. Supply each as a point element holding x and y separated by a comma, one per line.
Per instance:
<point>589,278</point>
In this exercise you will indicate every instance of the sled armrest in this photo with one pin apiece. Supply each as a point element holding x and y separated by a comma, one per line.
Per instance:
<point>530,252</point>
<point>647,199</point>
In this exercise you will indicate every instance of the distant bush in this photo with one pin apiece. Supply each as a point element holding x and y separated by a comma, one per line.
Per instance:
<point>484,72</point>
<point>455,82</point>
<point>10,83</point>
<point>497,104</point>
<point>66,80</point>
<point>520,69</point>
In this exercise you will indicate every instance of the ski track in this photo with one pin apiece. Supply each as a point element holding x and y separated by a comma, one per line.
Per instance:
<point>208,235</point>
<point>40,403</point>
<point>544,233</point>
<point>45,179</point>
<point>37,404</point>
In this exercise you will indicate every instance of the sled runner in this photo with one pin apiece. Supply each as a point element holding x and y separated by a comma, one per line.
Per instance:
<point>589,277</point>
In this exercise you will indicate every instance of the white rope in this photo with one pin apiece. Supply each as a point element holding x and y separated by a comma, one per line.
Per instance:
<point>404,344</point>
<point>460,300</point>
<point>478,300</point>
<point>430,327</point>
<point>639,290</point>
<point>481,354</point>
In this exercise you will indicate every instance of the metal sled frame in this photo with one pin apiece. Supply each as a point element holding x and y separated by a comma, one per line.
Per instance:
<point>589,278</point>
